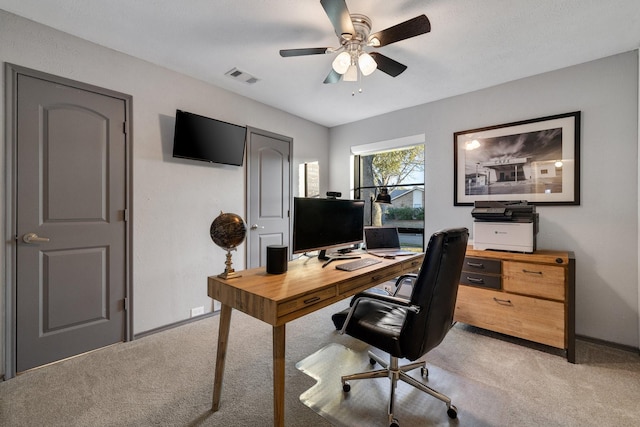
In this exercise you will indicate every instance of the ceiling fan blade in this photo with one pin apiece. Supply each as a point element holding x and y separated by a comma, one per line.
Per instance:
<point>388,65</point>
<point>405,30</point>
<point>339,16</point>
<point>301,52</point>
<point>332,77</point>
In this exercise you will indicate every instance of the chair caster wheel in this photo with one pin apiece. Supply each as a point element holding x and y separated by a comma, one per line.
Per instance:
<point>346,387</point>
<point>424,372</point>
<point>452,412</point>
<point>394,423</point>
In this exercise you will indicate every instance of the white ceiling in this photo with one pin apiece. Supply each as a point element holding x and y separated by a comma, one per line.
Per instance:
<point>473,44</point>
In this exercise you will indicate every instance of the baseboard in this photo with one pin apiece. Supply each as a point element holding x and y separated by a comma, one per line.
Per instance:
<point>623,347</point>
<point>174,325</point>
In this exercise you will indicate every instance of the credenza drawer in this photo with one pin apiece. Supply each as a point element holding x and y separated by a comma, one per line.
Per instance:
<point>521,316</point>
<point>482,280</point>
<point>306,301</point>
<point>545,281</point>
<point>481,265</point>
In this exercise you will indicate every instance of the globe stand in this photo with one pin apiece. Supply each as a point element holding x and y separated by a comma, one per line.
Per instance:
<point>229,272</point>
<point>228,231</point>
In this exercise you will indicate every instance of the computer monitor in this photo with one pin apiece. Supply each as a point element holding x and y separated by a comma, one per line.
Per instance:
<point>323,224</point>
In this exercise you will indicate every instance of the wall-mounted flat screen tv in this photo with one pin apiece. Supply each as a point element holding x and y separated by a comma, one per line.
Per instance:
<point>202,138</point>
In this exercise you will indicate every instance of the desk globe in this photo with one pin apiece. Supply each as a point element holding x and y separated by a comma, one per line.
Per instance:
<point>228,231</point>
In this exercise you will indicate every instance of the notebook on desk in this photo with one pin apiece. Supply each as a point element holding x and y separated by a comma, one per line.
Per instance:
<point>383,241</point>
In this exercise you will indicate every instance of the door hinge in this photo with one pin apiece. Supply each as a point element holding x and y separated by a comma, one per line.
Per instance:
<point>126,215</point>
<point>124,127</point>
<point>125,304</point>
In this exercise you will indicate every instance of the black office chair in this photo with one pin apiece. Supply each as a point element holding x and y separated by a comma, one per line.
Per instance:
<point>409,328</point>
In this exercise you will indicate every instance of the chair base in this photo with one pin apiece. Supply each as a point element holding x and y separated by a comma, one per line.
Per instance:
<point>395,372</point>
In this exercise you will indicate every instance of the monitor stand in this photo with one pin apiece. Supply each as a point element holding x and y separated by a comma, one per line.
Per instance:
<point>341,254</point>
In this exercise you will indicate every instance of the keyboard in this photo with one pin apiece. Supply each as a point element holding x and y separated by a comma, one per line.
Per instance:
<point>357,264</point>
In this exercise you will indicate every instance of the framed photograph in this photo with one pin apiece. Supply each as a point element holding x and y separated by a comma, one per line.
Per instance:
<point>535,160</point>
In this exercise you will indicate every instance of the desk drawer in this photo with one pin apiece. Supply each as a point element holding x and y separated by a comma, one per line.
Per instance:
<point>529,318</point>
<point>306,301</point>
<point>356,284</point>
<point>545,281</point>
<point>412,265</point>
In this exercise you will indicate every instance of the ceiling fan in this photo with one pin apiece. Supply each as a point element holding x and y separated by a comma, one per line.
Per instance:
<point>353,31</point>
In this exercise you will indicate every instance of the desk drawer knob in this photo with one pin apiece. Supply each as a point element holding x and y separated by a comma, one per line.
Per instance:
<point>502,301</point>
<point>532,272</point>
<point>475,264</point>
<point>311,300</point>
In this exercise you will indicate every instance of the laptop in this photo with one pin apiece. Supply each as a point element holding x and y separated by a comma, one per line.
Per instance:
<point>383,241</point>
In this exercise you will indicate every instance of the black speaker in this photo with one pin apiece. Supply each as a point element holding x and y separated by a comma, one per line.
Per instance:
<point>277,259</point>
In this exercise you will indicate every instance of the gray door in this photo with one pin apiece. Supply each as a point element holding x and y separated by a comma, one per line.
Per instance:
<point>268,195</point>
<point>71,192</point>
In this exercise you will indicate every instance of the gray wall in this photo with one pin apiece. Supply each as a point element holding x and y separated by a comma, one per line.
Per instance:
<point>174,201</point>
<point>602,231</point>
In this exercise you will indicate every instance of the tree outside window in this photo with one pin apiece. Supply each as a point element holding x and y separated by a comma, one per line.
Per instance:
<point>401,171</point>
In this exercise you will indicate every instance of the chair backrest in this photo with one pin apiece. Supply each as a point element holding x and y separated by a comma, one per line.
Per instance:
<point>435,291</point>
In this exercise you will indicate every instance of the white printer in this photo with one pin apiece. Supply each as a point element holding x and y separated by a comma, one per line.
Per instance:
<point>505,226</point>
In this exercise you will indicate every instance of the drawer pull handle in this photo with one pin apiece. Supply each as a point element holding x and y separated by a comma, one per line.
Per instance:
<point>502,301</point>
<point>475,264</point>
<point>531,272</point>
<point>311,300</point>
<point>475,280</point>
<point>375,278</point>
<point>414,263</point>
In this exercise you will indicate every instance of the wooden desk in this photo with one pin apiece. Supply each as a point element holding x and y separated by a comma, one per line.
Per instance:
<point>278,299</point>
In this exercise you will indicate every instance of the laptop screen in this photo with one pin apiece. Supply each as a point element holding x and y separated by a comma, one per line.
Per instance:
<point>381,238</point>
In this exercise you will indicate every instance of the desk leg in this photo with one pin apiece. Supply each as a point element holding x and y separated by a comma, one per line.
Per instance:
<point>278,375</point>
<point>223,339</point>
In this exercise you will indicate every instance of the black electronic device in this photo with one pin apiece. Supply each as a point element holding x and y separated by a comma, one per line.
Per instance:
<point>202,138</point>
<point>519,210</point>
<point>322,224</point>
<point>277,259</point>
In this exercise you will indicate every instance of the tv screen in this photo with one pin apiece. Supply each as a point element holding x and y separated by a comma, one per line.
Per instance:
<point>321,224</point>
<point>202,138</point>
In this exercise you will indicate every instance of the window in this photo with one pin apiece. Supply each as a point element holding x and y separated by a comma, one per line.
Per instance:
<point>401,172</point>
<point>309,180</point>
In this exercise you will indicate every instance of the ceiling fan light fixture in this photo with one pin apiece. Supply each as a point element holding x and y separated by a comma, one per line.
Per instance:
<point>351,75</point>
<point>341,63</point>
<point>366,63</point>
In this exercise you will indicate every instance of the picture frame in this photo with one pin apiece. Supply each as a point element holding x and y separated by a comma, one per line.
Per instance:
<point>536,160</point>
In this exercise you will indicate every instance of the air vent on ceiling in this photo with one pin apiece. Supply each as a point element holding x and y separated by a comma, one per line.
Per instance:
<point>241,76</point>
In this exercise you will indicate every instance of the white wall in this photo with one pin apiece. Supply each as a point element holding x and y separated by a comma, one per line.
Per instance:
<point>602,231</point>
<point>174,201</point>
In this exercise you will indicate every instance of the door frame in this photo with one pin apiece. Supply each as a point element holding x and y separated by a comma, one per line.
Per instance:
<point>10,192</point>
<point>250,131</point>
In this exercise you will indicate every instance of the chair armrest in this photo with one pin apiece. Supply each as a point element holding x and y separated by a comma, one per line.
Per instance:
<point>411,277</point>
<point>387,299</point>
